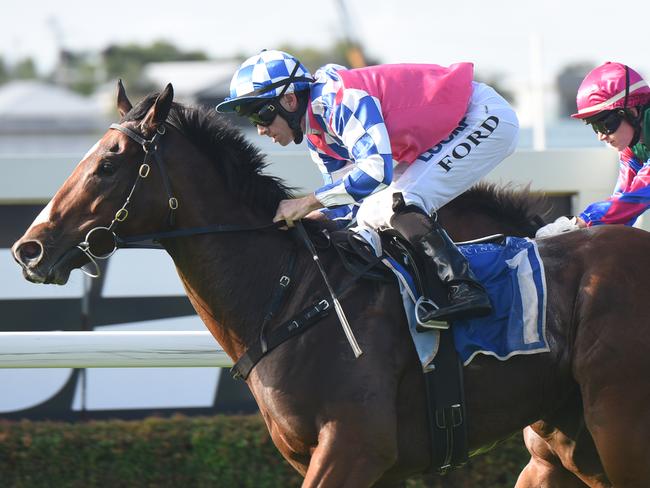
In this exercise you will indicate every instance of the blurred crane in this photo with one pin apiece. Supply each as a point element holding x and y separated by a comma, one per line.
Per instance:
<point>354,52</point>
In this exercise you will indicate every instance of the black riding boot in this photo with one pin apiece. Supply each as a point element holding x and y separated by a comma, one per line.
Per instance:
<point>467,296</point>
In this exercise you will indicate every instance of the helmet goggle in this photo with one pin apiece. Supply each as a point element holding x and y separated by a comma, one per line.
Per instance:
<point>263,116</point>
<point>609,123</point>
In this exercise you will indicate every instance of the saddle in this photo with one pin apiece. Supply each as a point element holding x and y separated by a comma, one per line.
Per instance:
<point>444,380</point>
<point>359,258</point>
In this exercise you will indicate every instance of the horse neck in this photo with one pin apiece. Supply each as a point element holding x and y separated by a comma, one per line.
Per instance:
<point>230,276</point>
<point>229,280</point>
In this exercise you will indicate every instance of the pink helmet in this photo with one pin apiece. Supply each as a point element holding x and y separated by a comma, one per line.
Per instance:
<point>608,87</point>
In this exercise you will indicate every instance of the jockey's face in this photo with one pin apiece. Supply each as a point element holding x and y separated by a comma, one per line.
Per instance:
<point>279,129</point>
<point>620,139</point>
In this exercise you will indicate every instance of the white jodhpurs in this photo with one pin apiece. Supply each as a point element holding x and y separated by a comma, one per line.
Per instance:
<point>486,136</point>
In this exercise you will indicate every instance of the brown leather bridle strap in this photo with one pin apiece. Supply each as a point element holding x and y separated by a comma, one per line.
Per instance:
<point>151,148</point>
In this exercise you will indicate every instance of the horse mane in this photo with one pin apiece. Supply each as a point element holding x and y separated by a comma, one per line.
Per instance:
<point>238,162</point>
<point>507,203</point>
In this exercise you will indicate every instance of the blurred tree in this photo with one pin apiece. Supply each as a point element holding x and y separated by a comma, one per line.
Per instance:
<point>86,78</point>
<point>77,71</point>
<point>568,81</point>
<point>126,61</point>
<point>25,69</point>
<point>4,72</point>
<point>314,58</point>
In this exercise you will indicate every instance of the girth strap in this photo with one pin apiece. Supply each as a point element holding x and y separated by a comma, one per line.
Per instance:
<point>446,407</point>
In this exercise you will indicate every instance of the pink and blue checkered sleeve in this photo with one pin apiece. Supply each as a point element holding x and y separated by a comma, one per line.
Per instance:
<point>630,199</point>
<point>357,122</point>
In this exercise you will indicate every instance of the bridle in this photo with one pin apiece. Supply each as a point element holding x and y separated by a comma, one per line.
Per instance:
<point>151,148</point>
<point>152,151</point>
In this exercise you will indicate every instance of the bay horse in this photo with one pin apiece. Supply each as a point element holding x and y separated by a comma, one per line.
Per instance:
<point>341,421</point>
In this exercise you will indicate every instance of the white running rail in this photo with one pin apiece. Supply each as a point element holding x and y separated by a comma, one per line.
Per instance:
<point>114,349</point>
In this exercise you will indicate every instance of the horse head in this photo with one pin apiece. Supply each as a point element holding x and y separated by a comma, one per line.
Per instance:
<point>100,197</point>
<point>164,166</point>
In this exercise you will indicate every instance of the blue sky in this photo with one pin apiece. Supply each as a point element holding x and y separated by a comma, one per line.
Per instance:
<point>492,34</point>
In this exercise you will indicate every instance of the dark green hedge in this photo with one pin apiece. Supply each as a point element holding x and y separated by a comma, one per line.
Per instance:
<point>220,451</point>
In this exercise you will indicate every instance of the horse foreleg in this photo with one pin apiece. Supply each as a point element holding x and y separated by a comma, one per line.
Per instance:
<point>351,456</point>
<point>545,469</point>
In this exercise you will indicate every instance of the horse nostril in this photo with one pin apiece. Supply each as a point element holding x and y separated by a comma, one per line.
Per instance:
<point>29,252</point>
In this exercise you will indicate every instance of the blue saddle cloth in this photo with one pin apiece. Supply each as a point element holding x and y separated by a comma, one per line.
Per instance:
<point>513,275</point>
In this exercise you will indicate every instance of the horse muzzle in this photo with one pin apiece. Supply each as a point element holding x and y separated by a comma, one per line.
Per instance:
<point>31,256</point>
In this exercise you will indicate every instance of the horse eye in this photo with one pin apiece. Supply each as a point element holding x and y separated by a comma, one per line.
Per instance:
<point>106,168</point>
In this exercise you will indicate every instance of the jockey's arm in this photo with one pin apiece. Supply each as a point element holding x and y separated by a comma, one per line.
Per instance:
<point>630,199</point>
<point>357,126</point>
<point>296,208</point>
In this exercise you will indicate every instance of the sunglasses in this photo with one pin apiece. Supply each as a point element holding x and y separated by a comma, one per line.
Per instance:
<point>608,124</point>
<point>263,116</point>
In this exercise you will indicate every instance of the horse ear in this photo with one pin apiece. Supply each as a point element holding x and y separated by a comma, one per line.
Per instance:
<point>158,112</point>
<point>123,103</point>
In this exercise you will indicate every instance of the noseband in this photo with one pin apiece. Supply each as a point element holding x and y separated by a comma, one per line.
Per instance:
<point>152,150</point>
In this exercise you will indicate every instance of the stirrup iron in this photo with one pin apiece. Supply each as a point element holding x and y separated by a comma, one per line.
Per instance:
<point>422,307</point>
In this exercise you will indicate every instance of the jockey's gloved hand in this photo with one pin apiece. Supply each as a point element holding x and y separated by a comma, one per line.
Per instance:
<point>561,224</point>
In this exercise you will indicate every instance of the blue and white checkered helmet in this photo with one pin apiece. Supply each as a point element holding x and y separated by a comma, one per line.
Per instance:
<point>266,75</point>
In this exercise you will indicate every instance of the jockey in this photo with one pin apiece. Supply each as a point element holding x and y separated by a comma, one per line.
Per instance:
<point>394,143</point>
<point>615,100</point>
